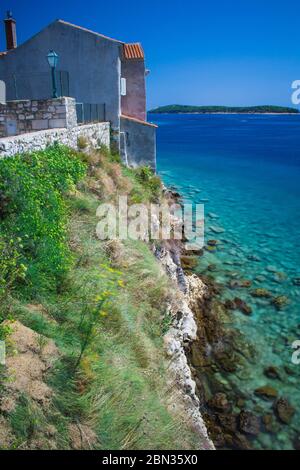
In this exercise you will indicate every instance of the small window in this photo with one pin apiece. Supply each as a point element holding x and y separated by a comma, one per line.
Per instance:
<point>123,86</point>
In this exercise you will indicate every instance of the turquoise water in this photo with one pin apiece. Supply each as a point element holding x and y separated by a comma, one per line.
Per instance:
<point>247,168</point>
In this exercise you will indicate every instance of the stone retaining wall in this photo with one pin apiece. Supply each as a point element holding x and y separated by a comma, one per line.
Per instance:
<point>88,136</point>
<point>19,117</point>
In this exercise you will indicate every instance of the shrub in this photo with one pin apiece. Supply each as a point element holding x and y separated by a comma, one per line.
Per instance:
<point>11,267</point>
<point>82,142</point>
<point>33,185</point>
<point>144,174</point>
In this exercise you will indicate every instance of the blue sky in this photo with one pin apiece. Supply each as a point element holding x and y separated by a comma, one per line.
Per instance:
<point>229,52</point>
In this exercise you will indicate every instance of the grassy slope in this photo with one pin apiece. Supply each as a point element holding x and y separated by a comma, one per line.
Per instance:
<point>119,388</point>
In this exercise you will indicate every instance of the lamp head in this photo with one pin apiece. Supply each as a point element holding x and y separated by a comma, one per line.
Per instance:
<point>52,58</point>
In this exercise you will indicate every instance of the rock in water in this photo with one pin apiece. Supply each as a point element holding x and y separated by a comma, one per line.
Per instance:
<point>219,402</point>
<point>283,410</point>
<point>188,262</point>
<point>269,423</point>
<point>254,258</point>
<point>296,281</point>
<point>212,215</point>
<point>267,392</point>
<point>272,373</point>
<point>261,293</point>
<point>280,302</point>
<point>249,423</point>
<point>229,304</point>
<point>240,283</point>
<point>279,277</point>
<point>271,269</point>
<point>216,229</point>
<point>228,422</point>
<point>213,242</point>
<point>242,306</point>
<point>212,267</point>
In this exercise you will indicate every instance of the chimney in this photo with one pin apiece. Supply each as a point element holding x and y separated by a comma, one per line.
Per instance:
<point>11,32</point>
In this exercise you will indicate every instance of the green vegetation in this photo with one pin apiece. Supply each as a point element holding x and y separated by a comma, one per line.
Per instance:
<point>102,303</point>
<point>184,109</point>
<point>33,215</point>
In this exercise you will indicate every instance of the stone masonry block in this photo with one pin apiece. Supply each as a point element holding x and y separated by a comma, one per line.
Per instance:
<point>39,124</point>
<point>60,109</point>
<point>57,123</point>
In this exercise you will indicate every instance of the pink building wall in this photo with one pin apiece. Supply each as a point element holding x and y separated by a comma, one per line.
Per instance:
<point>134,103</point>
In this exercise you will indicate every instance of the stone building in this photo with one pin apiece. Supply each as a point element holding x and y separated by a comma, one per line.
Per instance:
<point>104,75</point>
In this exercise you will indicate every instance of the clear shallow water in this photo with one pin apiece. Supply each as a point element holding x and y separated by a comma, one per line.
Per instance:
<point>248,170</point>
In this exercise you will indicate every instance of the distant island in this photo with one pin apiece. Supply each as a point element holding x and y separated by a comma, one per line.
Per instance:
<point>185,109</point>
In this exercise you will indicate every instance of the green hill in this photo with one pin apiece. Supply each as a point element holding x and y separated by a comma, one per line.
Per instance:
<point>185,109</point>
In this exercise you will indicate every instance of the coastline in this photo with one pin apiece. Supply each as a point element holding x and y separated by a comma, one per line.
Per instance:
<point>215,355</point>
<point>238,114</point>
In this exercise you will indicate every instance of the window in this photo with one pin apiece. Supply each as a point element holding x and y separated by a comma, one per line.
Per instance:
<point>123,86</point>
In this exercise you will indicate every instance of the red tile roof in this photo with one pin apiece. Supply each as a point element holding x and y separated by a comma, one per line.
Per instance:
<point>133,51</point>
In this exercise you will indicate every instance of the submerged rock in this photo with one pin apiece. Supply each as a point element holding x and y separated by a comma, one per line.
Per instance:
<point>219,402</point>
<point>188,262</point>
<point>289,370</point>
<point>229,304</point>
<point>269,423</point>
<point>261,293</point>
<point>216,229</point>
<point>240,283</point>
<point>254,258</point>
<point>249,423</point>
<point>228,422</point>
<point>283,410</point>
<point>272,373</point>
<point>211,249</point>
<point>212,267</point>
<point>215,432</point>
<point>280,302</point>
<point>241,403</point>
<point>242,306</point>
<point>279,277</point>
<point>296,281</point>
<point>266,392</point>
<point>238,441</point>
<point>245,283</point>
<point>271,269</point>
<point>213,242</point>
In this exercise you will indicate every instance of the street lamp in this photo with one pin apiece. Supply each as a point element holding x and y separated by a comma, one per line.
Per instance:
<point>52,58</point>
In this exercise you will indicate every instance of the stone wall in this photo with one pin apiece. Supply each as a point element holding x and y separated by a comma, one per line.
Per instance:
<point>19,117</point>
<point>88,136</point>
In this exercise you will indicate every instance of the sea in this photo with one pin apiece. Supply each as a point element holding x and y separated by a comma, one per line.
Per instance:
<point>245,169</point>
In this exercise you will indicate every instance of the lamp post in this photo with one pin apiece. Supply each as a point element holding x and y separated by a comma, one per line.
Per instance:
<point>52,58</point>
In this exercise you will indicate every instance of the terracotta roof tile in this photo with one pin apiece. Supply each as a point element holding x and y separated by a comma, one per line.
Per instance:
<point>133,51</point>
